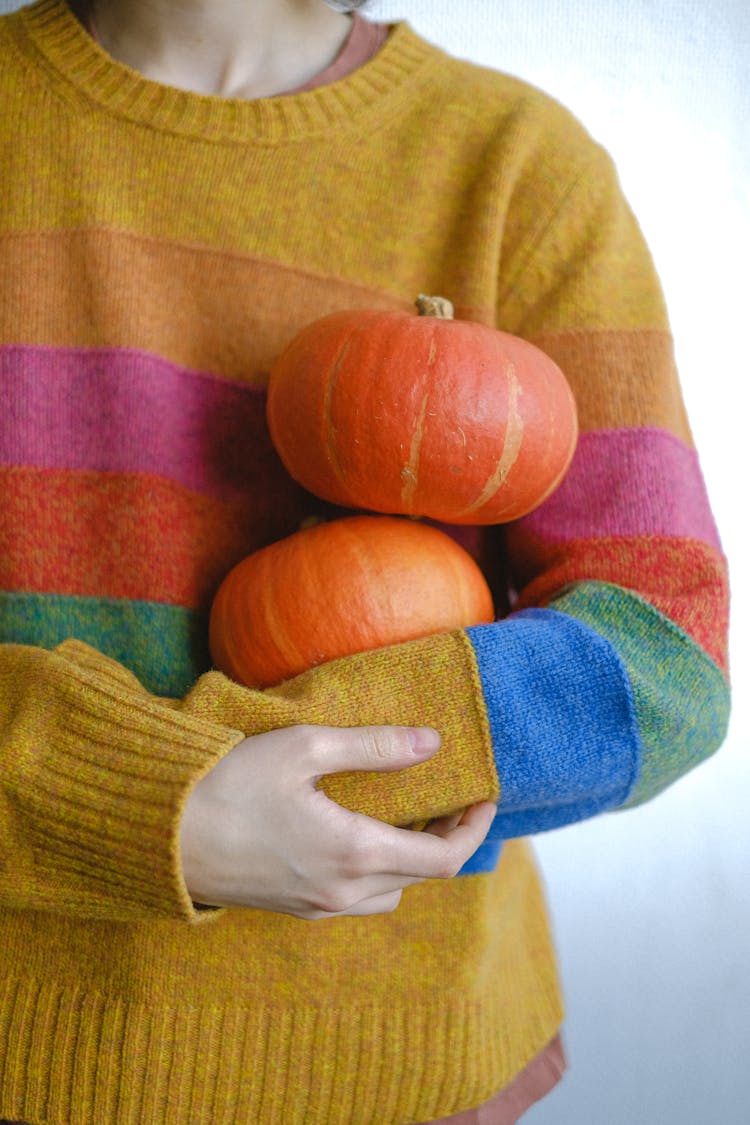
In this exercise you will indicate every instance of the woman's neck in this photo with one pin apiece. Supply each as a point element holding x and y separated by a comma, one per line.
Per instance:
<point>234,48</point>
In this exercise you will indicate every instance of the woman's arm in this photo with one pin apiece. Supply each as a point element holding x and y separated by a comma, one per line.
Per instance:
<point>119,804</point>
<point>614,665</point>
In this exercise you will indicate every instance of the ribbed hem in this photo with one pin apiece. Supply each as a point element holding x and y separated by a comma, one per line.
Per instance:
<point>49,31</point>
<point>71,1058</point>
<point>261,1018</point>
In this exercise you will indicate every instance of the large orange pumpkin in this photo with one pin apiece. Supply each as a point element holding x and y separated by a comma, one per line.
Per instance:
<point>421,415</point>
<point>341,587</point>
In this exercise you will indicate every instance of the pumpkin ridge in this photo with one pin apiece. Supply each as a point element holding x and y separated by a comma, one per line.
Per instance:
<point>409,473</point>
<point>270,624</point>
<point>364,556</point>
<point>329,429</point>
<point>511,445</point>
<point>284,645</point>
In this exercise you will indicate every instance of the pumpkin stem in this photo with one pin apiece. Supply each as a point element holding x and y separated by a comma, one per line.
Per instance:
<point>440,307</point>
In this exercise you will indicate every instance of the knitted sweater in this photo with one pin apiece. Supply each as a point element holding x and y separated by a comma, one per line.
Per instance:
<point>157,250</point>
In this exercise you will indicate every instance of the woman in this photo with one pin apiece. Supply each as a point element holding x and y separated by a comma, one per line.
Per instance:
<point>188,184</point>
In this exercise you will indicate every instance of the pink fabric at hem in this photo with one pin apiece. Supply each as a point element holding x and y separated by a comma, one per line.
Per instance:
<point>533,1083</point>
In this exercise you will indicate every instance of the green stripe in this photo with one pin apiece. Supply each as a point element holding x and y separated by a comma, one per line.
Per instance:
<point>165,646</point>
<point>681,697</point>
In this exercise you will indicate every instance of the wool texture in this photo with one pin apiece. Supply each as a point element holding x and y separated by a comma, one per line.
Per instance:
<point>158,249</point>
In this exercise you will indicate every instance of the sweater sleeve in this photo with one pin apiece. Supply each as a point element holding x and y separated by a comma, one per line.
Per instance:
<point>95,774</point>
<point>96,769</point>
<point>609,679</point>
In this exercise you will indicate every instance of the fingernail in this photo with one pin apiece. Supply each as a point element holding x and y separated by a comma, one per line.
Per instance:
<point>424,741</point>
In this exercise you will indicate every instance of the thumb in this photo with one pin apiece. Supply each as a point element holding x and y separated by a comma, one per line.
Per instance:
<point>368,748</point>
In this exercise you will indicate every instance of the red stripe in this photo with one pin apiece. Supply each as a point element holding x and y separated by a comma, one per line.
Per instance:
<point>122,536</point>
<point>683,578</point>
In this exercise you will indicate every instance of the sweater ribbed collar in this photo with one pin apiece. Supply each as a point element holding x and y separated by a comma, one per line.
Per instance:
<point>48,28</point>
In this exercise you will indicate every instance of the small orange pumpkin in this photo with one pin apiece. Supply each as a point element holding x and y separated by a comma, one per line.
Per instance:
<point>421,415</point>
<point>338,588</point>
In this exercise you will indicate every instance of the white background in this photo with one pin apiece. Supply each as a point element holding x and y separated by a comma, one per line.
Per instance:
<point>651,908</point>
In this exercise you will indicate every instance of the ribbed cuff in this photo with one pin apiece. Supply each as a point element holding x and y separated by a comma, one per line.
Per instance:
<point>100,772</point>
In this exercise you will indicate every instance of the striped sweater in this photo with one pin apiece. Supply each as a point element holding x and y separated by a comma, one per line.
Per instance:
<point>157,250</point>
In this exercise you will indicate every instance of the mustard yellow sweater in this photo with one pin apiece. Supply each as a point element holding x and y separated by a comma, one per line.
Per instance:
<point>157,250</point>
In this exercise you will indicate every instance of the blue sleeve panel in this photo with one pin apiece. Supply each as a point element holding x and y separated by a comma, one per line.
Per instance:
<point>562,721</point>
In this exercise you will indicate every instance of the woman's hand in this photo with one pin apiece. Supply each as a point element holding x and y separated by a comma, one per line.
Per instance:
<point>256,832</point>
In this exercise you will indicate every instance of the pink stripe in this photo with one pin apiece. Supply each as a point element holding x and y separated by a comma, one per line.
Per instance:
<point>117,410</point>
<point>635,481</point>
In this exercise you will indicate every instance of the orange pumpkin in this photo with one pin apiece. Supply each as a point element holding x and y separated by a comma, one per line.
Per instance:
<point>421,415</point>
<point>338,588</point>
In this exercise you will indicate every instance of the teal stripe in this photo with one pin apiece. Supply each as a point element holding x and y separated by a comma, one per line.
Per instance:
<point>165,646</point>
<point>681,697</point>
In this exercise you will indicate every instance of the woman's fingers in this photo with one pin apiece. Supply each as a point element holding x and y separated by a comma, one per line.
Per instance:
<point>257,832</point>
<point>387,857</point>
<point>324,750</point>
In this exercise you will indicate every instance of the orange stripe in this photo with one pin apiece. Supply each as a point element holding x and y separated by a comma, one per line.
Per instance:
<point>684,578</point>
<point>258,305</point>
<point>122,536</point>
<point>621,378</point>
